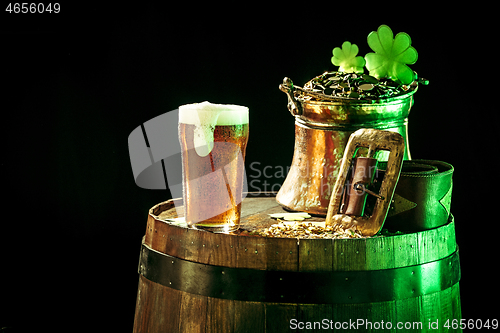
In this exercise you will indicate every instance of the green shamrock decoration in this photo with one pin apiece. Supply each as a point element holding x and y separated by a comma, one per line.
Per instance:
<point>347,60</point>
<point>391,55</point>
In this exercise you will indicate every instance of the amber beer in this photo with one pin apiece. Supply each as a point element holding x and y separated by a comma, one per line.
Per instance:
<point>213,140</point>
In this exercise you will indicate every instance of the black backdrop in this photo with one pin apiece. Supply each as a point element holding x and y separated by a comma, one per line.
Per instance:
<point>75,84</point>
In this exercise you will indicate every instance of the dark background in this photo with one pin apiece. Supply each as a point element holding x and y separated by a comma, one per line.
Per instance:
<point>75,84</point>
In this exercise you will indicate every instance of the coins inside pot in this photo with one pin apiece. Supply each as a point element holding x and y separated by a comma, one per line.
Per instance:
<point>366,86</point>
<point>353,86</point>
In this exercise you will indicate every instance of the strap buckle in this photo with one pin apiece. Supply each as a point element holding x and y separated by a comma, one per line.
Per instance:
<point>347,206</point>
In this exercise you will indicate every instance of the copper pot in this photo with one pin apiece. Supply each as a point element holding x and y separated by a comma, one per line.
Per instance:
<point>322,129</point>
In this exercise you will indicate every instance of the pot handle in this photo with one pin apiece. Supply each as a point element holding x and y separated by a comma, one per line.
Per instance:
<point>293,105</point>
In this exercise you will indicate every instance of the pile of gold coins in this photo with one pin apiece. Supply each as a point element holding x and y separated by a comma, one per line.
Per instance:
<point>354,86</point>
<point>312,230</point>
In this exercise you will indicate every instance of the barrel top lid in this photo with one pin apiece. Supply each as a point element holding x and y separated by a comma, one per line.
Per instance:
<point>261,215</point>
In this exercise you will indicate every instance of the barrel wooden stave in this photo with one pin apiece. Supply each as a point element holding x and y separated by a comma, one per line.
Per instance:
<point>159,306</point>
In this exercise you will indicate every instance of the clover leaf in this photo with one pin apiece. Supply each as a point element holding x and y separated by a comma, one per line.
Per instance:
<point>346,58</point>
<point>391,55</point>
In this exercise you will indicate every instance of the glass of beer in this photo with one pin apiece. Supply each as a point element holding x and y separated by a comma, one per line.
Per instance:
<point>213,140</point>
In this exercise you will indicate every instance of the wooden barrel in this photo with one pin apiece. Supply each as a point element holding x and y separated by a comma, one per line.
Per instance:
<point>196,281</point>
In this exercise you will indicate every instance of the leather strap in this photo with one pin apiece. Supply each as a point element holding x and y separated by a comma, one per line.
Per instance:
<point>363,172</point>
<point>422,197</point>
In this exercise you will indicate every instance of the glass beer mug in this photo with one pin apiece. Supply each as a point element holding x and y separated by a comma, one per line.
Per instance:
<point>213,140</point>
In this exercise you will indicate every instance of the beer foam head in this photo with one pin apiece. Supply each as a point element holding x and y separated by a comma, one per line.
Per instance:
<point>205,116</point>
